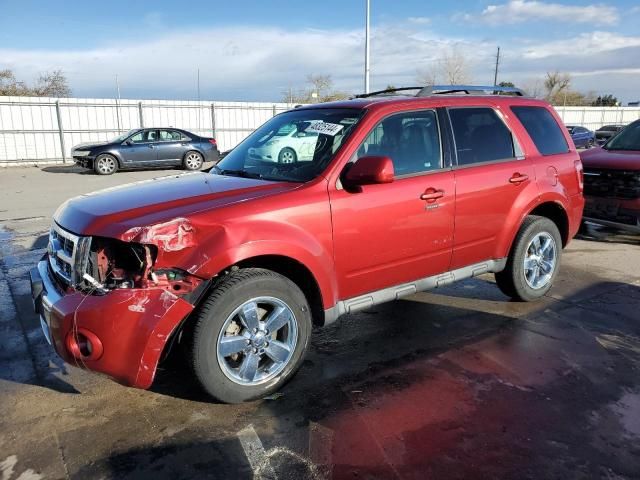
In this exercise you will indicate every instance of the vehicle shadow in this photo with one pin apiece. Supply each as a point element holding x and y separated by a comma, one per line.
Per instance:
<point>67,169</point>
<point>412,390</point>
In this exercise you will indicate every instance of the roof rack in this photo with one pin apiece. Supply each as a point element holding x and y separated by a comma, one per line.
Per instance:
<point>429,90</point>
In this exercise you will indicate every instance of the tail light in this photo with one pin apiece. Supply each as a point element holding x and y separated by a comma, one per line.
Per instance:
<point>213,142</point>
<point>579,174</point>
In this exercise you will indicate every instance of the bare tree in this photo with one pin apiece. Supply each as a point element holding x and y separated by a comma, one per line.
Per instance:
<point>451,67</point>
<point>48,85</point>
<point>52,84</point>
<point>320,89</point>
<point>558,91</point>
<point>556,83</point>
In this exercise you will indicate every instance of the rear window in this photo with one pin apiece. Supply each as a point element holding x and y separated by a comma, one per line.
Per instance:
<point>543,129</point>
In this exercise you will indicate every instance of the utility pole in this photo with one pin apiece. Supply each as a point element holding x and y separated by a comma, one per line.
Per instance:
<point>199,109</point>
<point>495,75</point>
<point>118,104</point>
<point>366,48</point>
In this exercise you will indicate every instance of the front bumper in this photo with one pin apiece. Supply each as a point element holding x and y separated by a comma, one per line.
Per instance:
<point>128,328</point>
<point>613,212</point>
<point>86,162</point>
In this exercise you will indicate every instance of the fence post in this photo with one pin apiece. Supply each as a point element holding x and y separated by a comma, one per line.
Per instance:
<point>61,132</point>
<point>274,110</point>
<point>213,121</point>
<point>140,115</point>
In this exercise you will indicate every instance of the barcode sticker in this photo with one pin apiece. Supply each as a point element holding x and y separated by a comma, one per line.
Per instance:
<point>324,128</point>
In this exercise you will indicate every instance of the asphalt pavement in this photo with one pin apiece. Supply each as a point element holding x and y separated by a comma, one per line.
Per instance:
<point>459,382</point>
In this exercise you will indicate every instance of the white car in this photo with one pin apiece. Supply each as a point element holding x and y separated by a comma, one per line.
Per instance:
<point>288,145</point>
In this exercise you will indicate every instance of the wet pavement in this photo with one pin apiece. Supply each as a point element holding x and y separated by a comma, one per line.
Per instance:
<point>456,383</point>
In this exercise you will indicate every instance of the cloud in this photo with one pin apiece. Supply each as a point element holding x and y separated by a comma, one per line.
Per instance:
<point>260,63</point>
<point>419,20</point>
<point>520,11</point>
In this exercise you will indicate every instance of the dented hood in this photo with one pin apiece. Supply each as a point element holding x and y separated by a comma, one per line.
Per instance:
<point>114,212</point>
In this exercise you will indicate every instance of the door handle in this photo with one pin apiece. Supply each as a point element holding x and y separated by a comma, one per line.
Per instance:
<point>518,178</point>
<point>431,194</point>
<point>151,146</point>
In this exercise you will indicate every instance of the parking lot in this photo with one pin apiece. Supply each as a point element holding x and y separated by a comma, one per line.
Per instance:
<point>457,383</point>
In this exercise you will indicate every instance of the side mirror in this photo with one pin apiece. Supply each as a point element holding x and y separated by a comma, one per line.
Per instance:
<point>128,142</point>
<point>370,170</point>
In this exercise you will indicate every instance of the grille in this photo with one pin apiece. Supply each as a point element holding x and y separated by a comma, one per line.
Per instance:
<point>612,183</point>
<point>68,255</point>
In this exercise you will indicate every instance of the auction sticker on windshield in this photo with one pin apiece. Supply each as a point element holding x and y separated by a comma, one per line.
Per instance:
<point>324,128</point>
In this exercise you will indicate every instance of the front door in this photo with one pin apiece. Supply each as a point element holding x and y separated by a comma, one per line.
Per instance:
<point>389,234</point>
<point>140,149</point>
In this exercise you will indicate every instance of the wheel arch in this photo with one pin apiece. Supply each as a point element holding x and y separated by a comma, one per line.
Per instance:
<point>555,212</point>
<point>114,153</point>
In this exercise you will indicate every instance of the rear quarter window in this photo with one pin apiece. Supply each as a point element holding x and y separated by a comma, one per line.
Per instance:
<point>543,129</point>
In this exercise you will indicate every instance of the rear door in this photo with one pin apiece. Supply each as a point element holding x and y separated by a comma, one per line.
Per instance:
<point>492,177</point>
<point>171,147</point>
<point>140,149</point>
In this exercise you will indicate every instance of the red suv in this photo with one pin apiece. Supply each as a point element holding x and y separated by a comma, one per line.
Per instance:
<point>395,194</point>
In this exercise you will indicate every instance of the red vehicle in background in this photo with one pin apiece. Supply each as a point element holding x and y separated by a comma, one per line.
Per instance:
<point>402,193</point>
<point>612,181</point>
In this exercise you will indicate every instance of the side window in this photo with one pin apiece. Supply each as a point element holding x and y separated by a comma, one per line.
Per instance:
<point>411,140</point>
<point>152,135</point>
<point>139,137</point>
<point>169,136</point>
<point>543,129</point>
<point>480,135</point>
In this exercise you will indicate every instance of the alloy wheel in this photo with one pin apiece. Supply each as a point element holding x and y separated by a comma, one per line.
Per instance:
<point>540,260</point>
<point>257,341</point>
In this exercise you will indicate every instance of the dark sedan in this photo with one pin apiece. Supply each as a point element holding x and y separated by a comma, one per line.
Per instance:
<point>582,137</point>
<point>147,148</point>
<point>606,132</point>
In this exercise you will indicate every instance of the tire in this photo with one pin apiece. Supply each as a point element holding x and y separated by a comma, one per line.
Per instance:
<point>229,378</point>
<point>192,160</point>
<point>590,143</point>
<point>287,155</point>
<point>105,164</point>
<point>528,284</point>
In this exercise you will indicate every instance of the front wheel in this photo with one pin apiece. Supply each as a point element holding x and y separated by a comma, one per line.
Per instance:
<point>287,155</point>
<point>105,165</point>
<point>533,262</point>
<point>590,143</point>
<point>250,336</point>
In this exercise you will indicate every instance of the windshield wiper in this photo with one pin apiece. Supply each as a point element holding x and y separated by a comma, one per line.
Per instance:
<point>237,173</point>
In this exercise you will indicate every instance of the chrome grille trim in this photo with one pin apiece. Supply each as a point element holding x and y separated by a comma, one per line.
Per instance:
<point>68,254</point>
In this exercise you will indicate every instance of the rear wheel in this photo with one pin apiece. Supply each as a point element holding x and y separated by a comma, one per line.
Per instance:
<point>105,164</point>
<point>250,335</point>
<point>533,262</point>
<point>193,161</point>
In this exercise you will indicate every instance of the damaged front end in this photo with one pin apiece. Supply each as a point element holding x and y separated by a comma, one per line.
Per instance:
<point>111,305</point>
<point>113,264</point>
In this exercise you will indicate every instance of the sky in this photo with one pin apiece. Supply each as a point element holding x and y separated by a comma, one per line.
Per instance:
<point>257,50</point>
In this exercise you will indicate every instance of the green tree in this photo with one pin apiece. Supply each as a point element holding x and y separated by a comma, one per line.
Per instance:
<point>506,84</point>
<point>607,100</point>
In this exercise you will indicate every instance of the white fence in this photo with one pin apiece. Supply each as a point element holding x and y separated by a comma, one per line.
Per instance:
<point>38,130</point>
<point>595,117</point>
<point>34,129</point>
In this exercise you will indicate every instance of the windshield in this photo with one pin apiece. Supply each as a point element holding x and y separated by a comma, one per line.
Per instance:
<point>627,139</point>
<point>295,146</point>
<point>122,137</point>
<point>571,129</point>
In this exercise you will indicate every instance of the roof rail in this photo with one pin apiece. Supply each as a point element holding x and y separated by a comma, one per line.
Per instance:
<point>386,91</point>
<point>446,89</point>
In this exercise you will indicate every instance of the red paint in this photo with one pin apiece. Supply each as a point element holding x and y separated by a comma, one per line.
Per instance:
<point>353,241</point>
